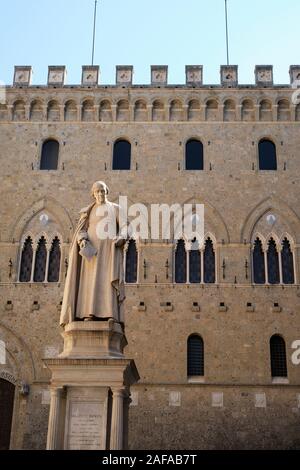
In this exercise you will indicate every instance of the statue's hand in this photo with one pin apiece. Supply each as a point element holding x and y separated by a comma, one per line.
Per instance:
<point>82,243</point>
<point>120,242</point>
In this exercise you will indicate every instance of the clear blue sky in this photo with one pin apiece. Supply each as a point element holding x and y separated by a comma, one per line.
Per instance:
<point>145,32</point>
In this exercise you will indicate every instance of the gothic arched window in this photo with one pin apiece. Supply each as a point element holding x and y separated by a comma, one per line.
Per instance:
<point>259,274</point>
<point>287,261</point>
<point>278,356</point>
<point>195,264</point>
<point>49,158</point>
<point>131,263</point>
<point>40,261</point>
<point>209,263</point>
<point>267,155</point>
<point>54,261</point>
<point>26,261</point>
<point>273,263</point>
<point>195,356</point>
<point>180,263</point>
<point>122,155</point>
<point>194,155</point>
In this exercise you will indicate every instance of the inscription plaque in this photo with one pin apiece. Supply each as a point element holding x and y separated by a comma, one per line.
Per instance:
<point>86,420</point>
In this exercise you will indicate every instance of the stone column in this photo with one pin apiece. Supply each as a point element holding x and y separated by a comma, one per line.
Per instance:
<point>44,113</point>
<point>54,428</point>
<point>202,112</point>
<point>239,112</point>
<point>131,112</point>
<point>188,251</point>
<point>34,247</point>
<point>185,108</point>
<point>266,264</point>
<point>202,265</point>
<point>117,423</point>
<point>27,112</point>
<point>48,247</point>
<point>296,253</point>
<point>79,112</point>
<point>280,265</point>
<point>10,110</point>
<point>167,112</point>
<point>97,112</point>
<point>61,112</point>
<point>257,112</point>
<point>114,112</point>
<point>149,112</point>
<point>221,113</point>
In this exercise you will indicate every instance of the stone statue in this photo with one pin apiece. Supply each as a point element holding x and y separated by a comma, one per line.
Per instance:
<point>94,288</point>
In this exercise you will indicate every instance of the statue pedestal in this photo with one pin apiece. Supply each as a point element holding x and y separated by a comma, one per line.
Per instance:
<point>90,388</point>
<point>93,339</point>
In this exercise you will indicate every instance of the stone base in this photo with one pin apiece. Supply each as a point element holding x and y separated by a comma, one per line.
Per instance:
<point>90,388</point>
<point>89,403</point>
<point>93,339</point>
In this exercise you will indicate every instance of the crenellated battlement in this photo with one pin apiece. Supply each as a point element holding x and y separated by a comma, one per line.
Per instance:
<point>90,76</point>
<point>158,101</point>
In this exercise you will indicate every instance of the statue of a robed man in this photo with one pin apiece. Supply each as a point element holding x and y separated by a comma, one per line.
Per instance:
<point>94,288</point>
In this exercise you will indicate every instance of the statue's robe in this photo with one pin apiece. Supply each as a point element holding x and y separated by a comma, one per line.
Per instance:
<point>94,286</point>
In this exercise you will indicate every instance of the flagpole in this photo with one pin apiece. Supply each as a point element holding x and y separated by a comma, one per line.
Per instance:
<point>227,40</point>
<point>94,31</point>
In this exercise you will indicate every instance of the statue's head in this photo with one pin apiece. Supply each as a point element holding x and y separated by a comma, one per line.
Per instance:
<point>99,191</point>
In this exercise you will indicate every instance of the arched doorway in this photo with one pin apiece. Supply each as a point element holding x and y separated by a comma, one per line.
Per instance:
<point>7,393</point>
